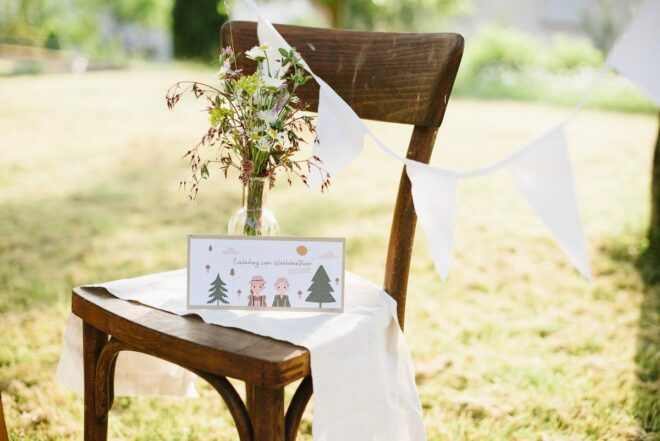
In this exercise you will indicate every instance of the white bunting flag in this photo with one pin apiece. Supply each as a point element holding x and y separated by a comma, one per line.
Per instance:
<point>544,176</point>
<point>434,195</point>
<point>637,53</point>
<point>541,170</point>
<point>339,131</point>
<point>268,35</point>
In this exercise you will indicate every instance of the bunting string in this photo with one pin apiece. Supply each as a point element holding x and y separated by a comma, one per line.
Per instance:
<point>541,169</point>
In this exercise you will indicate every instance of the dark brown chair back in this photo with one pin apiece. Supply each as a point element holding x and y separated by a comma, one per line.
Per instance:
<point>392,77</point>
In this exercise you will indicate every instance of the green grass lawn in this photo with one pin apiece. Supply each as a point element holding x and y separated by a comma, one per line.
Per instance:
<point>514,346</point>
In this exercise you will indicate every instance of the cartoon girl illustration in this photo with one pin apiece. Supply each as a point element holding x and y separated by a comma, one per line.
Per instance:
<point>257,284</point>
<point>281,299</point>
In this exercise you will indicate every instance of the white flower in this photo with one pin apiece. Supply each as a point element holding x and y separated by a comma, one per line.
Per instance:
<point>260,98</point>
<point>224,69</point>
<point>254,135</point>
<point>268,116</point>
<point>257,53</point>
<point>272,83</point>
<point>264,144</point>
<point>281,138</point>
<point>277,137</point>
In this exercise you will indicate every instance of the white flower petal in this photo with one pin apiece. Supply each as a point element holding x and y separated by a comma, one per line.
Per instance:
<point>256,53</point>
<point>271,82</point>
<point>264,144</point>
<point>268,116</point>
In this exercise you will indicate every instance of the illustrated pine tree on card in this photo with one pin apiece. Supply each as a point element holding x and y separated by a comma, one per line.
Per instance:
<point>320,289</point>
<point>218,291</point>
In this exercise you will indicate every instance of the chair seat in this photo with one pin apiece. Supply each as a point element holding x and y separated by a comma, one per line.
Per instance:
<point>191,343</point>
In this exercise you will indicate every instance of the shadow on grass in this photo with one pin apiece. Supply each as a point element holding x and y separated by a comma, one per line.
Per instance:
<point>647,354</point>
<point>128,222</point>
<point>647,357</point>
<point>115,226</point>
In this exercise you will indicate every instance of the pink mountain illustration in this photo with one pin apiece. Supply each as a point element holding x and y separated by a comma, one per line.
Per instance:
<point>328,255</point>
<point>230,250</point>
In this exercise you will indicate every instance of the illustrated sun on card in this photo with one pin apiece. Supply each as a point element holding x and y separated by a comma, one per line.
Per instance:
<point>257,273</point>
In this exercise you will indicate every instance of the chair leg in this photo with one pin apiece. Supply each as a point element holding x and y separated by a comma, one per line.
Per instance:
<point>249,398</point>
<point>96,427</point>
<point>266,408</point>
<point>233,402</point>
<point>4,436</point>
<point>297,407</point>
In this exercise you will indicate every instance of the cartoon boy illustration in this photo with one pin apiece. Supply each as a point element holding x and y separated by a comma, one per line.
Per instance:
<point>257,284</point>
<point>281,299</point>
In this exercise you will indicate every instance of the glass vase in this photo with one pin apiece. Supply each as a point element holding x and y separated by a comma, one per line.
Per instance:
<point>254,219</point>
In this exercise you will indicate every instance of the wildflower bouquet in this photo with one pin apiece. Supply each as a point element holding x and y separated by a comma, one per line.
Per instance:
<point>256,125</point>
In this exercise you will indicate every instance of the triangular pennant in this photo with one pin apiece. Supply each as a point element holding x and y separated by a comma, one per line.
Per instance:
<point>434,196</point>
<point>637,53</point>
<point>544,176</point>
<point>339,132</point>
<point>268,35</point>
<point>542,170</point>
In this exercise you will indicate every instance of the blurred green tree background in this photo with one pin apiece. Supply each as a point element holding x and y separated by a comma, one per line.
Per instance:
<point>392,15</point>
<point>86,26</point>
<point>196,31</point>
<point>92,26</point>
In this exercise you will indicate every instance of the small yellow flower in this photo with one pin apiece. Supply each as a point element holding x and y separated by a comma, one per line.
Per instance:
<point>216,116</point>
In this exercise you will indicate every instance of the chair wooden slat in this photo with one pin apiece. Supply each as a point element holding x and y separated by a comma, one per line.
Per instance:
<point>393,77</point>
<point>190,342</point>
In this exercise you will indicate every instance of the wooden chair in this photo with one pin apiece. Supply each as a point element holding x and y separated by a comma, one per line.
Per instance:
<point>401,78</point>
<point>4,436</point>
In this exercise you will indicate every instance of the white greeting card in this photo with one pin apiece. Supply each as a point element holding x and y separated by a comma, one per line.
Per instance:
<point>266,273</point>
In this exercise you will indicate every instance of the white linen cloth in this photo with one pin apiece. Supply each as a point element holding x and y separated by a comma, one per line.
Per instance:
<point>364,383</point>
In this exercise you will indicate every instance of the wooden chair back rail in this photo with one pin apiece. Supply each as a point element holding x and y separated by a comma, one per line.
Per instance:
<point>391,77</point>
